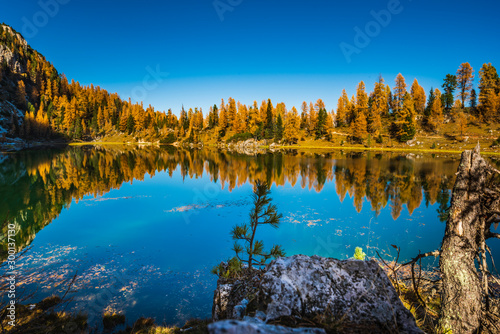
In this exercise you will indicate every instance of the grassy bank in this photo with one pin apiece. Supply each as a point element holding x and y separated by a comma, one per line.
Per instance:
<point>446,140</point>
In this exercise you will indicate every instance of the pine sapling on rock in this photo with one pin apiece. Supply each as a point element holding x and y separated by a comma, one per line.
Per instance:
<point>263,213</point>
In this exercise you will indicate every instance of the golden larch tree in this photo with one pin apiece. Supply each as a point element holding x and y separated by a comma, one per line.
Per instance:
<point>223,119</point>
<point>21,94</point>
<point>436,113</point>
<point>359,126</point>
<point>304,115</point>
<point>399,94</point>
<point>361,98</point>
<point>263,111</point>
<point>342,110</point>
<point>351,110</point>
<point>418,96</point>
<point>312,119</point>
<point>465,77</point>
<point>231,113</point>
<point>462,121</point>
<point>292,127</point>
<point>405,120</point>
<point>378,108</point>
<point>489,87</point>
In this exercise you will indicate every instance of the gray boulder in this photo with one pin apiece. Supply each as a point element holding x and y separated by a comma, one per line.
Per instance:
<point>356,296</point>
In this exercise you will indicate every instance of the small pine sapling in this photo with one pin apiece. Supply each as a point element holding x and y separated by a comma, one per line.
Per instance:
<point>263,213</point>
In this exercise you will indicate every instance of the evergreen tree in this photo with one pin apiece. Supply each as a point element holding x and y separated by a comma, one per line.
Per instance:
<point>473,100</point>
<point>449,86</point>
<point>214,121</point>
<point>321,123</point>
<point>279,128</point>
<point>78,129</point>
<point>263,213</point>
<point>130,124</point>
<point>269,128</point>
<point>430,102</point>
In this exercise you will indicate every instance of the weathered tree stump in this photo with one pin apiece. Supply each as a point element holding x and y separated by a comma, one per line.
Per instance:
<point>466,303</point>
<point>462,291</point>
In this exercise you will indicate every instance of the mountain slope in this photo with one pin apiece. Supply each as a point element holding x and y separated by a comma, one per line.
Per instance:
<point>37,102</point>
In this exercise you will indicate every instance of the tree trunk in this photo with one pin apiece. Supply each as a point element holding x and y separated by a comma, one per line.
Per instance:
<point>462,290</point>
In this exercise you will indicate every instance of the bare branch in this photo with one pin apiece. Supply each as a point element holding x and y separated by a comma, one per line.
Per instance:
<point>415,285</point>
<point>435,253</point>
<point>492,235</point>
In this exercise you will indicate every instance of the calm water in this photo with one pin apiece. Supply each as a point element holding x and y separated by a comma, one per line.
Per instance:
<point>142,228</point>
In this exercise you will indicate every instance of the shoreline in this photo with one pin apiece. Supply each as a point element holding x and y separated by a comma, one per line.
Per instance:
<point>8,147</point>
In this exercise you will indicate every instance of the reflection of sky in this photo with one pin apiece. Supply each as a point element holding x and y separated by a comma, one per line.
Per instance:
<point>150,245</point>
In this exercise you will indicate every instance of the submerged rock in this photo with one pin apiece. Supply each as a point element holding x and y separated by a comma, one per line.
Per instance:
<point>353,296</point>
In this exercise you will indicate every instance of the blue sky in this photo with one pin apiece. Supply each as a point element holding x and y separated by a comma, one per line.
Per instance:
<point>250,50</point>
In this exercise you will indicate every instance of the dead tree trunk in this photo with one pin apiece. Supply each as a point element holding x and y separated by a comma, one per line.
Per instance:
<point>465,294</point>
<point>462,294</point>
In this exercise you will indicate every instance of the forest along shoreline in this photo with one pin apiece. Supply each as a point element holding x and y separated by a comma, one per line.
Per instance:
<point>449,147</point>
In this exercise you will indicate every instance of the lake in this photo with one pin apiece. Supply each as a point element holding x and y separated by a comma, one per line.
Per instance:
<point>141,228</point>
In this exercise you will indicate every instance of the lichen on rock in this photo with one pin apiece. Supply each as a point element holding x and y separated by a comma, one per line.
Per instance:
<point>351,295</point>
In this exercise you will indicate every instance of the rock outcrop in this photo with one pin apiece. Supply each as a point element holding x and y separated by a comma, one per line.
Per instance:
<point>352,296</point>
<point>248,147</point>
<point>8,56</point>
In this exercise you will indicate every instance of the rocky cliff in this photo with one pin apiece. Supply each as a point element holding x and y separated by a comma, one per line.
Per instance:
<point>347,296</point>
<point>14,56</point>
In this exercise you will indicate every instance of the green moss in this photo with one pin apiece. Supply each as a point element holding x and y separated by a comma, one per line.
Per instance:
<point>359,254</point>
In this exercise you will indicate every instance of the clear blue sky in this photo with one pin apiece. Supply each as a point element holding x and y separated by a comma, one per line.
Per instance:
<point>288,51</point>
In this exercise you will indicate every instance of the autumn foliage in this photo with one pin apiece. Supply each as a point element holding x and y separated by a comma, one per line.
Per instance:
<point>53,107</point>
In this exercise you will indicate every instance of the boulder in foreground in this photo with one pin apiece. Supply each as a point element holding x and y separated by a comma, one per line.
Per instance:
<point>348,296</point>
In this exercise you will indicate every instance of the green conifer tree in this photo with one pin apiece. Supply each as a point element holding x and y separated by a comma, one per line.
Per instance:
<point>279,128</point>
<point>263,213</point>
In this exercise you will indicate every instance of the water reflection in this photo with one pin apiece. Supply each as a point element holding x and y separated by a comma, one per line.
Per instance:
<point>36,185</point>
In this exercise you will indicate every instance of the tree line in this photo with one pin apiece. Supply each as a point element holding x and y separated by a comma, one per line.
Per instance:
<point>56,108</point>
<point>397,111</point>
